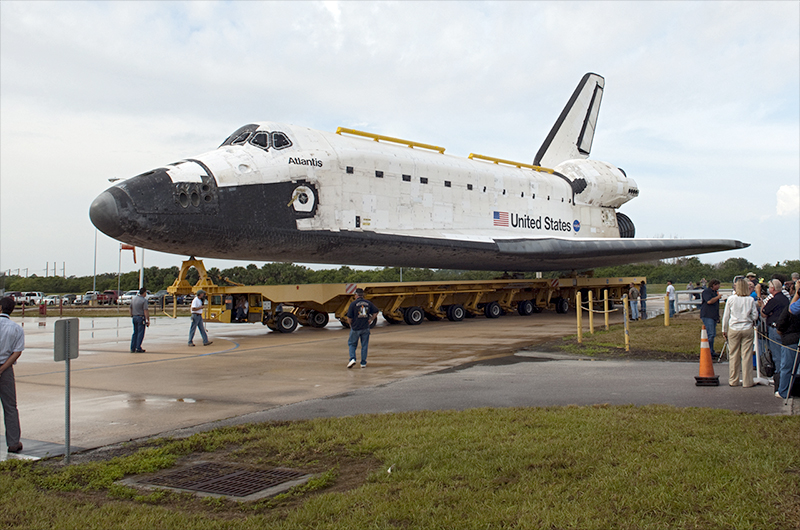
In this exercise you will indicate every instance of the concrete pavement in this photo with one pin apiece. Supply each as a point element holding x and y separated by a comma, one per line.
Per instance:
<point>250,374</point>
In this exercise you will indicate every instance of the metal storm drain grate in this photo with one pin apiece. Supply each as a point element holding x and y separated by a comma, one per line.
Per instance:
<point>225,479</point>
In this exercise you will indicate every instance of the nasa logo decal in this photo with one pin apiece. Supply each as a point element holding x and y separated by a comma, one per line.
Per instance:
<point>576,225</point>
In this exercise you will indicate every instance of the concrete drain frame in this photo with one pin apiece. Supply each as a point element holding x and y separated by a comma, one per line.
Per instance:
<point>216,479</point>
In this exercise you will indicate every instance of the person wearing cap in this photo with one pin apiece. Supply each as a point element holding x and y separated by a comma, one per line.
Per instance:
<point>197,318</point>
<point>140,315</point>
<point>361,314</point>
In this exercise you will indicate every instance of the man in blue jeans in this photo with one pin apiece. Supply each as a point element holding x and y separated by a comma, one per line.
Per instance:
<point>197,319</point>
<point>709,311</point>
<point>140,315</point>
<point>361,314</point>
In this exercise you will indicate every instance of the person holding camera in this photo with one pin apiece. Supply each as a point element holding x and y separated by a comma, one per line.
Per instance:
<point>774,304</point>
<point>709,312</point>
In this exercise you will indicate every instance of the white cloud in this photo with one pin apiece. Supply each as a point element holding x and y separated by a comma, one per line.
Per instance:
<point>788,200</point>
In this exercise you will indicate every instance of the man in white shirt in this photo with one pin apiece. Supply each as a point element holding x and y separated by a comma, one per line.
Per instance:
<point>671,295</point>
<point>197,318</point>
<point>12,342</point>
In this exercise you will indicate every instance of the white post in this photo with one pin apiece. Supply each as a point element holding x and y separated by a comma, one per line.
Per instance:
<point>141,271</point>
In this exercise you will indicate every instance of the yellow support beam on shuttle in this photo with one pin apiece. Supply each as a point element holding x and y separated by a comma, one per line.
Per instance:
<point>474,156</point>
<point>378,138</point>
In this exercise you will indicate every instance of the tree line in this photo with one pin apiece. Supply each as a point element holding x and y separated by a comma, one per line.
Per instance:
<point>680,270</point>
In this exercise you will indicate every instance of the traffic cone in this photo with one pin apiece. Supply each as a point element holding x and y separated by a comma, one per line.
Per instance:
<point>706,377</point>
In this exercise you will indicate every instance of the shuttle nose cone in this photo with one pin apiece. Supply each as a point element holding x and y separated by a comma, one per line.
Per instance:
<point>104,214</point>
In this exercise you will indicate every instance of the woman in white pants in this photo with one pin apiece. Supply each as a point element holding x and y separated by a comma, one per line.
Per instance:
<point>741,313</point>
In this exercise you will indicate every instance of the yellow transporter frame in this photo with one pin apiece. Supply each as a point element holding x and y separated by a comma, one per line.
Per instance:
<point>282,307</point>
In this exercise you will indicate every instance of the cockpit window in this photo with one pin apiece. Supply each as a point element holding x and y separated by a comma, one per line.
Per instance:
<point>280,140</point>
<point>240,138</point>
<point>260,139</point>
<point>240,135</point>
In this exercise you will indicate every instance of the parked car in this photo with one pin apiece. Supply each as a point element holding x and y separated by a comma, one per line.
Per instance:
<point>128,296</point>
<point>53,299</point>
<point>68,299</point>
<point>160,297</point>
<point>109,296</point>
<point>88,297</point>
<point>32,298</point>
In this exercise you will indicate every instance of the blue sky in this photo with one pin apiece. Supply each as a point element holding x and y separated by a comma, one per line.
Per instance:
<point>701,107</point>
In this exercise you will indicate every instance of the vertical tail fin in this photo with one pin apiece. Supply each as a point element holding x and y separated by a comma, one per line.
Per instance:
<point>572,134</point>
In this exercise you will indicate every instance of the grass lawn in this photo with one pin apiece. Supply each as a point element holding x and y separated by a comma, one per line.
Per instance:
<point>600,467</point>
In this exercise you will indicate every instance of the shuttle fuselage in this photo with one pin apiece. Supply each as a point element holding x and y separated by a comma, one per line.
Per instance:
<point>278,192</point>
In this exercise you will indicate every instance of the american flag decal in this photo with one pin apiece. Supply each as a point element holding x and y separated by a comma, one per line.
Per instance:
<point>500,218</point>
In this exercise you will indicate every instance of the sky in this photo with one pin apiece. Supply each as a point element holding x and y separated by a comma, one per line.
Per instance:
<point>701,104</point>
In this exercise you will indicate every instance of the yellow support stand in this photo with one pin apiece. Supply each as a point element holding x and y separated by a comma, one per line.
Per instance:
<point>591,314</point>
<point>666,310</point>
<point>578,311</point>
<point>605,306</point>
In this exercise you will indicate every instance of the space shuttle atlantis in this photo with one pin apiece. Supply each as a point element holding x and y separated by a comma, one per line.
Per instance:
<point>278,192</point>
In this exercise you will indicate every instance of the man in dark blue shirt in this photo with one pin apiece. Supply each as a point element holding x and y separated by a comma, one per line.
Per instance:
<point>361,314</point>
<point>709,312</point>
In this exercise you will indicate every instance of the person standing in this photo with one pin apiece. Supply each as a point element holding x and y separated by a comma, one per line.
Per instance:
<point>774,305</point>
<point>197,318</point>
<point>643,294</point>
<point>671,297</point>
<point>140,314</point>
<point>738,320</point>
<point>361,314</point>
<point>709,311</point>
<point>633,296</point>
<point>12,342</point>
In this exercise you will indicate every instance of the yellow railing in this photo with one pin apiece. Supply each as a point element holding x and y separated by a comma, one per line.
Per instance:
<point>473,156</point>
<point>381,138</point>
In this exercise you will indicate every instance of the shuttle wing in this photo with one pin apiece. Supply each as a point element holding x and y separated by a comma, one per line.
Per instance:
<point>557,253</point>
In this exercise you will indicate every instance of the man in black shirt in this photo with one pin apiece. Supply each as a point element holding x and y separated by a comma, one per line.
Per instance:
<point>774,304</point>
<point>709,312</point>
<point>361,314</point>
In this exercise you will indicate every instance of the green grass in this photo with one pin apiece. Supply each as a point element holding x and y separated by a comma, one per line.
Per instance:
<point>572,467</point>
<point>648,338</point>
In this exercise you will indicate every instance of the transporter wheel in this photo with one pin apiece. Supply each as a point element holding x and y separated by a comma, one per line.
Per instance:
<point>285,322</point>
<point>562,305</point>
<point>525,307</point>
<point>432,317</point>
<point>456,313</point>
<point>344,323</point>
<point>492,310</point>
<point>318,319</point>
<point>414,316</point>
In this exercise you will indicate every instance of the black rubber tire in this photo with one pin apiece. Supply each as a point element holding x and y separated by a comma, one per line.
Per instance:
<point>456,313</point>
<point>344,323</point>
<point>414,316</point>
<point>285,322</point>
<point>562,305</point>
<point>525,307</point>
<point>492,310</point>
<point>318,319</point>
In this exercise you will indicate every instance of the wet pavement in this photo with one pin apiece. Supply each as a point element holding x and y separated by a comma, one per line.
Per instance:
<point>251,374</point>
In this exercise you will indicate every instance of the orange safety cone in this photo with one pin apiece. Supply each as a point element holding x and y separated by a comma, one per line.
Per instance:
<point>706,377</point>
